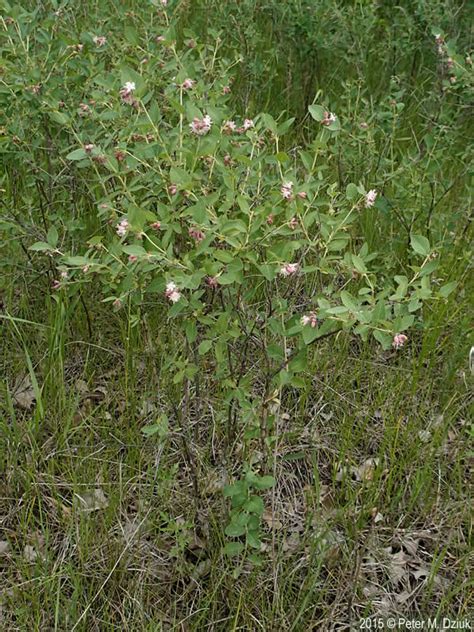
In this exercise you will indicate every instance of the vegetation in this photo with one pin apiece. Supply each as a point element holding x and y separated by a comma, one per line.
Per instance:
<point>236,299</point>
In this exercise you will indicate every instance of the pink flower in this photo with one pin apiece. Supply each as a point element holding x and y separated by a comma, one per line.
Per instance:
<point>288,269</point>
<point>172,293</point>
<point>329,118</point>
<point>212,281</point>
<point>248,124</point>
<point>309,319</point>
<point>201,126</point>
<point>188,84</point>
<point>302,195</point>
<point>164,3</point>
<point>117,303</point>
<point>99,40</point>
<point>64,275</point>
<point>293,223</point>
<point>88,148</point>
<point>132,258</point>
<point>370,198</point>
<point>85,269</point>
<point>156,225</point>
<point>287,190</point>
<point>270,219</point>
<point>364,125</point>
<point>172,189</point>
<point>229,127</point>
<point>55,284</point>
<point>123,227</point>
<point>196,234</point>
<point>226,90</point>
<point>228,160</point>
<point>159,39</point>
<point>399,340</point>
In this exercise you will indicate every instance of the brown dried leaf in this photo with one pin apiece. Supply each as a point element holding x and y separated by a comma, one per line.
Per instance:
<point>92,501</point>
<point>23,393</point>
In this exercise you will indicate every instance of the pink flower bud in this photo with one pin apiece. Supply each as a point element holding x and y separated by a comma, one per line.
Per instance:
<point>212,281</point>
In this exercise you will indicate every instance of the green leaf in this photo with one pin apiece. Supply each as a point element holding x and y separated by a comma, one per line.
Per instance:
<point>254,505</point>
<point>359,265</point>
<point>446,290</point>
<point>351,192</point>
<point>135,251</point>
<point>77,261</point>
<point>300,361</point>
<point>420,245</point>
<point>191,331</point>
<point>40,246</point>
<point>264,482</point>
<point>233,548</point>
<point>317,112</point>
<point>77,154</point>
<point>204,347</point>
<point>53,236</point>
<point>253,540</point>
<point>349,301</point>
<point>234,530</point>
<point>384,338</point>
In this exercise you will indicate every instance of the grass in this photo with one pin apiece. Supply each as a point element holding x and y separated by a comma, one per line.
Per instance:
<point>104,528</point>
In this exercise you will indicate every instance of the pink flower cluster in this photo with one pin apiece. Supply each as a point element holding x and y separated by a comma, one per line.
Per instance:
<point>370,198</point>
<point>172,293</point>
<point>196,234</point>
<point>201,127</point>
<point>188,84</point>
<point>126,93</point>
<point>99,40</point>
<point>293,223</point>
<point>399,341</point>
<point>230,127</point>
<point>329,118</point>
<point>309,319</point>
<point>288,269</point>
<point>287,190</point>
<point>123,228</point>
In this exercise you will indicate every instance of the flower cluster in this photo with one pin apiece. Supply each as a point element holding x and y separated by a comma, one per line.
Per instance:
<point>172,293</point>
<point>126,93</point>
<point>196,234</point>
<point>201,127</point>
<point>287,190</point>
<point>188,84</point>
<point>309,319</point>
<point>99,40</point>
<point>288,269</point>
<point>370,198</point>
<point>329,118</point>
<point>230,127</point>
<point>399,341</point>
<point>123,228</point>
